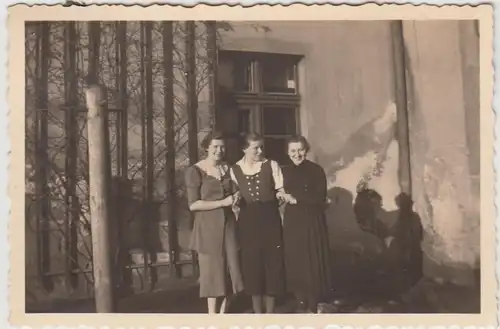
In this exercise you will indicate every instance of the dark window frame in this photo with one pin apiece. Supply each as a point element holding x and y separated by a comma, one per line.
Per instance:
<point>256,60</point>
<point>256,99</point>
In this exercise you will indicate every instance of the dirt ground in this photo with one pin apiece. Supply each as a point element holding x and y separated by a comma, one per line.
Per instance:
<point>360,288</point>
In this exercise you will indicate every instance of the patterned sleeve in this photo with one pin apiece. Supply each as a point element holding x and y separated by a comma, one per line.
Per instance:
<point>277,175</point>
<point>193,183</point>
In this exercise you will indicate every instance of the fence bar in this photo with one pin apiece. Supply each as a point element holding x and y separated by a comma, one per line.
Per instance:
<point>168,94</point>
<point>145,205</point>
<point>41,159</point>
<point>150,165</point>
<point>192,98</point>
<point>98,145</point>
<point>118,121</point>
<point>121,37</point>
<point>71,127</point>
<point>212,74</point>
<point>94,45</point>
<point>402,129</point>
<point>123,276</point>
<point>192,105</point>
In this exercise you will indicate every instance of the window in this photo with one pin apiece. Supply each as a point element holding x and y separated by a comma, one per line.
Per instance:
<point>235,73</point>
<point>278,120</point>
<point>278,75</point>
<point>265,89</point>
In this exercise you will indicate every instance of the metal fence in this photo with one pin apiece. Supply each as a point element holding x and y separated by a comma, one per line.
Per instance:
<point>155,74</point>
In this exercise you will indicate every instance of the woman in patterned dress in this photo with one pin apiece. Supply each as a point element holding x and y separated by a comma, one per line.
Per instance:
<point>260,183</point>
<point>211,195</point>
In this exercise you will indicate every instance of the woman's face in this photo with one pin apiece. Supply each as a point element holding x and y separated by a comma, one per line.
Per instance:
<point>296,152</point>
<point>254,151</point>
<point>216,149</point>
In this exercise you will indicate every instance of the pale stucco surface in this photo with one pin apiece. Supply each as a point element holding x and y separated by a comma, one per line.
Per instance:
<point>347,111</point>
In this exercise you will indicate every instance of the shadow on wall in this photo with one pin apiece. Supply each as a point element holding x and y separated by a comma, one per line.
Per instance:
<point>374,251</point>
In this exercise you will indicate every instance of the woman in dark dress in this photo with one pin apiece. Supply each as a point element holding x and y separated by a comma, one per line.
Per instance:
<point>260,183</point>
<point>307,253</point>
<point>211,195</point>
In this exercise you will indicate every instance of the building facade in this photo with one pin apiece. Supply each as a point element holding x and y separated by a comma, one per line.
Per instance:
<point>390,114</point>
<point>336,84</point>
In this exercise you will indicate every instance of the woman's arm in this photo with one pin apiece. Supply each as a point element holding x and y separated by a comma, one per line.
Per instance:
<point>277,176</point>
<point>202,205</point>
<point>193,184</point>
<point>279,184</point>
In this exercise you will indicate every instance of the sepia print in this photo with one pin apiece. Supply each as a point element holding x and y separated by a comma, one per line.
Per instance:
<point>182,162</point>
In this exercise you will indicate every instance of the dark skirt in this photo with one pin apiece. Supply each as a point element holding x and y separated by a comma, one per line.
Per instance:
<point>307,251</point>
<point>260,236</point>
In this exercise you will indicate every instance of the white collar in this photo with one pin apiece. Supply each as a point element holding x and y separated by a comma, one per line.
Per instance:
<point>242,161</point>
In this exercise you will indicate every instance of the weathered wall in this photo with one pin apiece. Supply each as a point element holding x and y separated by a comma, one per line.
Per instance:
<point>347,109</point>
<point>348,112</point>
<point>444,79</point>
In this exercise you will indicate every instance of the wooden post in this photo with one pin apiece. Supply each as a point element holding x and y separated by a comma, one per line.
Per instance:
<point>192,105</point>
<point>402,131</point>
<point>99,194</point>
<point>168,100</point>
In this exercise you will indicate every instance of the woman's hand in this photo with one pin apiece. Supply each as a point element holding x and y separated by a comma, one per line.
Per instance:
<point>290,199</point>
<point>231,200</point>
<point>236,199</point>
<point>236,211</point>
<point>227,201</point>
<point>280,195</point>
<point>285,197</point>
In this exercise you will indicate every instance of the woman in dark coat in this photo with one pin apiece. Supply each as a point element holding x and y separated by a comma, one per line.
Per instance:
<point>260,183</point>
<point>305,234</point>
<point>211,195</point>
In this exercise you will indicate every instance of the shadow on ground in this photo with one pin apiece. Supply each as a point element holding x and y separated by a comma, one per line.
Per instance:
<point>359,289</point>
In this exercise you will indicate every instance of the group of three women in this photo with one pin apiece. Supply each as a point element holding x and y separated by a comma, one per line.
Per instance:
<point>242,241</point>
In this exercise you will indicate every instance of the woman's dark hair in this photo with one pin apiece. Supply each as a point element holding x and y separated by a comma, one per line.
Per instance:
<point>298,139</point>
<point>214,135</point>
<point>251,137</point>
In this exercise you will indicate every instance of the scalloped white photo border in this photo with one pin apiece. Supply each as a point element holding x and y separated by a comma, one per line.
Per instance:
<point>10,181</point>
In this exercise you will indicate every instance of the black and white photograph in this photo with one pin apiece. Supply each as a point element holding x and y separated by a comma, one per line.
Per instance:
<point>248,165</point>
